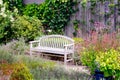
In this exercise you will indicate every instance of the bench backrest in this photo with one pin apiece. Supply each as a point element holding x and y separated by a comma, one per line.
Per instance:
<point>55,41</point>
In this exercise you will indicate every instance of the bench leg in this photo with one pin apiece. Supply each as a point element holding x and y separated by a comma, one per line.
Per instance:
<point>72,55</point>
<point>65,59</point>
<point>30,53</point>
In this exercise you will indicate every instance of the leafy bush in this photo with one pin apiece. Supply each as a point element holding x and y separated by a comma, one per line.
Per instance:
<point>12,4</point>
<point>101,40</point>
<point>58,73</point>
<point>16,71</point>
<point>6,70</point>
<point>54,14</point>
<point>109,63</point>
<point>36,62</point>
<point>18,46</point>
<point>15,47</point>
<point>88,57</point>
<point>78,40</point>
<point>5,30</point>
<point>21,72</point>
<point>37,65</point>
<point>78,47</point>
<point>32,10</point>
<point>26,27</point>
<point>6,56</point>
<point>78,44</point>
<point>43,69</point>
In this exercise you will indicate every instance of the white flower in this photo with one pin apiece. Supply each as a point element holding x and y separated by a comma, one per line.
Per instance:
<point>3,14</point>
<point>49,30</point>
<point>15,10</point>
<point>1,2</point>
<point>3,9</point>
<point>11,18</point>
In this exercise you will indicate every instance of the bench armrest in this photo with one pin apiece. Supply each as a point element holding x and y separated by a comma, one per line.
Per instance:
<point>31,43</point>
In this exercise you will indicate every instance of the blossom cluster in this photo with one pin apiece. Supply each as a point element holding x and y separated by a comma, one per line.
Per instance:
<point>4,12</point>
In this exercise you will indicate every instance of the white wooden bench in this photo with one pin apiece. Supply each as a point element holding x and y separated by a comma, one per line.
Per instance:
<point>56,44</point>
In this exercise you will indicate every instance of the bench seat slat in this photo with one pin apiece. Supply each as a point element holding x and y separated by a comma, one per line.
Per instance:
<point>52,50</point>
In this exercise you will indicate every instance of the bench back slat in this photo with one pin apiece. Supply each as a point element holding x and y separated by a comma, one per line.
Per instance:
<point>55,41</point>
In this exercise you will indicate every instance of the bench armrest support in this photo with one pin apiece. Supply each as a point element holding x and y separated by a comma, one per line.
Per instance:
<point>69,46</point>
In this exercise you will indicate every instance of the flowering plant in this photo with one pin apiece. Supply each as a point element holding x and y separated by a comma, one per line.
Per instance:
<point>109,63</point>
<point>6,19</point>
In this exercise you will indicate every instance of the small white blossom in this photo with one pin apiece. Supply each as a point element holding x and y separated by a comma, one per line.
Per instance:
<point>11,18</point>
<point>3,9</point>
<point>15,10</point>
<point>1,2</point>
<point>3,14</point>
<point>49,30</point>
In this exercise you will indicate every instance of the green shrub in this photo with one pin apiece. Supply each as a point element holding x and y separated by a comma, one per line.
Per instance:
<point>6,70</point>
<point>36,62</point>
<point>78,47</point>
<point>58,73</point>
<point>37,66</point>
<point>18,47</point>
<point>88,57</point>
<point>5,30</point>
<point>26,27</point>
<point>109,63</point>
<point>6,19</point>
<point>78,40</point>
<point>6,56</point>
<point>21,72</point>
<point>15,47</point>
<point>12,4</point>
<point>32,10</point>
<point>56,14</point>
<point>16,71</point>
<point>42,69</point>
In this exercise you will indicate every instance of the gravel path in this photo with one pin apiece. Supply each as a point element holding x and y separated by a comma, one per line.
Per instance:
<point>82,69</point>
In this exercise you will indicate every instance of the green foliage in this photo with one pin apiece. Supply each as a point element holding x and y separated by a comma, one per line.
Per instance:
<point>88,58</point>
<point>83,3</point>
<point>32,10</point>
<point>15,71</point>
<point>18,47</point>
<point>78,40</point>
<point>76,24</point>
<point>14,26</point>
<point>26,27</point>
<point>54,14</point>
<point>6,56</point>
<point>36,62</point>
<point>6,19</point>
<point>21,72</point>
<point>15,47</point>
<point>12,4</point>
<point>37,65</point>
<point>109,63</point>
<point>58,73</point>
<point>5,30</point>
